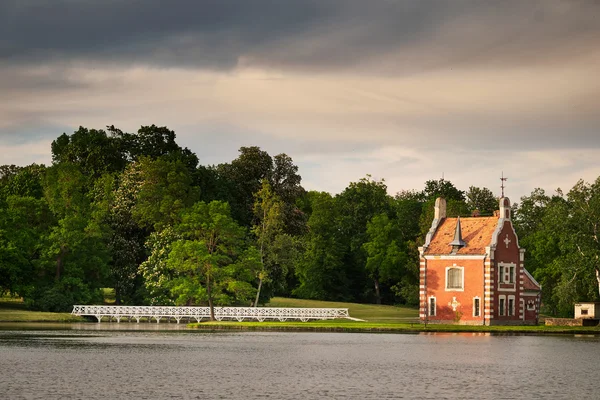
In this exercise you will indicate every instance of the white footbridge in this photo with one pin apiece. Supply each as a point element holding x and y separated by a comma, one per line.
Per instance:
<point>158,313</point>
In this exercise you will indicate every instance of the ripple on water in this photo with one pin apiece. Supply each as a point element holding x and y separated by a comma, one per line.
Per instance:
<point>194,365</point>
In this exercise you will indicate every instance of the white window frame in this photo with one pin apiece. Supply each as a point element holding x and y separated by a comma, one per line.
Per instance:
<point>506,274</point>
<point>434,306</point>
<point>510,310</point>
<point>477,310</point>
<point>462,279</point>
<point>501,306</point>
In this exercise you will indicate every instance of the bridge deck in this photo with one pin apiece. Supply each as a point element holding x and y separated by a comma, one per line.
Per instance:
<point>199,313</point>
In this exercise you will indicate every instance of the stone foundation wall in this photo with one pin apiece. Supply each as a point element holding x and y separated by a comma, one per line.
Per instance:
<point>571,322</point>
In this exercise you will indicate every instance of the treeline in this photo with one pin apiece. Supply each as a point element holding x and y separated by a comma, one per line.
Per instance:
<point>138,213</point>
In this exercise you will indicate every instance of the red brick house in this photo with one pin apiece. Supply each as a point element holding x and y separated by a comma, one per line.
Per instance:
<point>472,272</point>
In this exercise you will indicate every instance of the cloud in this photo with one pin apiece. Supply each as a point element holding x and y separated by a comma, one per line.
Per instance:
<point>402,90</point>
<point>310,35</point>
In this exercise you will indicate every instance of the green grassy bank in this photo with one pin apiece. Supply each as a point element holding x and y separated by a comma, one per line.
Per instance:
<point>377,318</point>
<point>13,310</point>
<point>369,312</point>
<point>353,326</point>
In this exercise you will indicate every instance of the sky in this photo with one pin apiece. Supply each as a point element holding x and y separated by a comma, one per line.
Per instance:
<point>405,91</point>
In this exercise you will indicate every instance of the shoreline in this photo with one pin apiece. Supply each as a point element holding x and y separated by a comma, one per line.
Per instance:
<point>366,327</point>
<point>292,327</point>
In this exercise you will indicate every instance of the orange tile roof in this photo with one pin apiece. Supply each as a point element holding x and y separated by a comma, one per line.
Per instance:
<point>476,232</point>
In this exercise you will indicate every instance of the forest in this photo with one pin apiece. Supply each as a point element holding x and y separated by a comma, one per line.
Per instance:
<point>138,213</point>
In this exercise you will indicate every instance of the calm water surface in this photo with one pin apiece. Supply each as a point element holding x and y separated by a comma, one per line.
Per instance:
<point>178,364</point>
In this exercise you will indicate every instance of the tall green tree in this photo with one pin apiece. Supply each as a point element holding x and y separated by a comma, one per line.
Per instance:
<point>455,203</point>
<point>581,239</point>
<point>74,260</point>
<point>559,233</point>
<point>442,188</point>
<point>164,188</point>
<point>92,150</point>
<point>115,195</point>
<point>24,222</point>
<point>268,217</point>
<point>157,274</point>
<point>321,271</point>
<point>386,256</point>
<point>21,181</point>
<point>213,261</point>
<point>242,178</point>
<point>481,200</point>
<point>155,142</point>
<point>357,205</point>
<point>286,183</point>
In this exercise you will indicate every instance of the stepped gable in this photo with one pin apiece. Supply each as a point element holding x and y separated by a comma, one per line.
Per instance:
<point>476,232</point>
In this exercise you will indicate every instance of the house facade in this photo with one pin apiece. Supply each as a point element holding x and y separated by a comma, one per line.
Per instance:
<point>472,272</point>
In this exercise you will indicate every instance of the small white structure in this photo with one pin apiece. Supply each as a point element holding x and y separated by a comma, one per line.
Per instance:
<point>587,310</point>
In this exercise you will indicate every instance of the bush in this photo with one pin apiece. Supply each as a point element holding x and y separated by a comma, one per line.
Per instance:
<point>63,295</point>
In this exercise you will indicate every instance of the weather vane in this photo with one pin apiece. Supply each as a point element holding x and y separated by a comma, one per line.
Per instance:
<point>503,179</point>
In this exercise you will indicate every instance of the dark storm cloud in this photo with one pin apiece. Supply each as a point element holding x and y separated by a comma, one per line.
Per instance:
<point>297,34</point>
<point>209,33</point>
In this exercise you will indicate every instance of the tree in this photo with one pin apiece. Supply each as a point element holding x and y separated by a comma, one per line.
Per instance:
<point>442,188</point>
<point>385,255</point>
<point>408,208</point>
<point>164,189</point>
<point>583,227</point>
<point>116,196</point>
<point>23,224</point>
<point>157,274</point>
<point>74,257</point>
<point>321,271</point>
<point>286,184</point>
<point>92,150</point>
<point>242,178</point>
<point>357,205</point>
<point>481,200</point>
<point>528,214</point>
<point>155,142</point>
<point>212,260</point>
<point>268,225</point>
<point>455,203</point>
<point>23,181</point>
<point>559,234</point>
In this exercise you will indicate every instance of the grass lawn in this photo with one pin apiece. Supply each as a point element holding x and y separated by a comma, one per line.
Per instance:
<point>13,310</point>
<point>369,312</point>
<point>377,318</point>
<point>354,326</point>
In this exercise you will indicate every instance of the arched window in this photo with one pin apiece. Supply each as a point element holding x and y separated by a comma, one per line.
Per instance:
<point>454,278</point>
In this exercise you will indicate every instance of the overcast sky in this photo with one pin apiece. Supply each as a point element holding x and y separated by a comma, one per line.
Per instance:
<point>402,90</point>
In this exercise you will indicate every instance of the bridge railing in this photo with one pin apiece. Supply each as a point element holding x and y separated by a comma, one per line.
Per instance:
<point>199,313</point>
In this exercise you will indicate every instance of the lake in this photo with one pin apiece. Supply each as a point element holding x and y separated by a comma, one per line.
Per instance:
<point>185,364</point>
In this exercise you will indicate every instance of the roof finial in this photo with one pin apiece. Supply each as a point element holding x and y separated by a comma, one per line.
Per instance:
<point>502,179</point>
<point>458,241</point>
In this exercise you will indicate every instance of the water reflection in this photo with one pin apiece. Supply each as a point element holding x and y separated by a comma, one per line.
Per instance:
<point>87,326</point>
<point>173,363</point>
